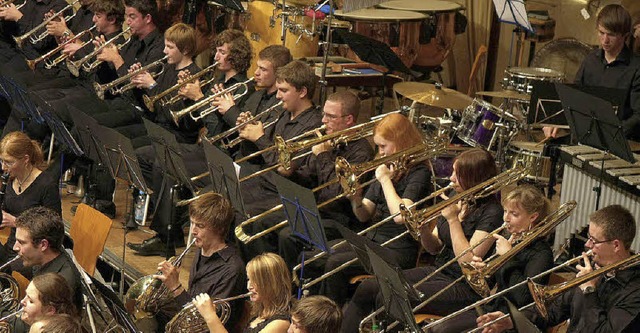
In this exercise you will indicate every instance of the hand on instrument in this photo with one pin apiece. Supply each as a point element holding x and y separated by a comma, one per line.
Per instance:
<point>8,220</point>
<point>191,91</point>
<point>251,132</point>
<point>477,262</point>
<point>57,27</point>
<point>550,132</point>
<point>170,275</point>
<point>183,75</point>
<point>383,173</point>
<point>243,118</point>
<point>499,326</point>
<point>108,53</point>
<point>321,148</point>
<point>453,212</point>
<point>10,13</point>
<point>71,48</point>
<point>502,244</point>
<point>206,308</point>
<point>585,269</point>
<point>223,102</point>
<point>143,80</point>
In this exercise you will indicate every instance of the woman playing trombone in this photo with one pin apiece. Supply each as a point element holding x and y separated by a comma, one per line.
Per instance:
<point>460,226</point>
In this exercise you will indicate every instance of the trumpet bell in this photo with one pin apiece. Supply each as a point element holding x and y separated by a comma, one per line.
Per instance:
<point>189,320</point>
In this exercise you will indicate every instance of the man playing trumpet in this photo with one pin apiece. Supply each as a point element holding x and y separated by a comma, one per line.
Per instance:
<point>607,303</point>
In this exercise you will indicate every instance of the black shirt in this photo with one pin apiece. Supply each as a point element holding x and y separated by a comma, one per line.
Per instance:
<point>214,121</point>
<point>622,73</point>
<point>64,266</point>
<point>33,15</point>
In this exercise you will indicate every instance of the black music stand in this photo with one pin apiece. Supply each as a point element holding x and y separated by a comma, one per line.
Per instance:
<point>224,177</point>
<point>301,210</point>
<point>359,245</point>
<point>593,122</point>
<point>521,324</point>
<point>394,291</point>
<point>115,306</point>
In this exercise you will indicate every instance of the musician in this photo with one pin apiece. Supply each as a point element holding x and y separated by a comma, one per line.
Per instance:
<point>270,285</point>
<point>315,314</point>
<point>606,303</point>
<point>341,111</point>
<point>460,226</point>
<point>47,295</point>
<point>392,134</point>
<point>57,323</point>
<point>39,236</point>
<point>29,184</point>
<point>217,269</point>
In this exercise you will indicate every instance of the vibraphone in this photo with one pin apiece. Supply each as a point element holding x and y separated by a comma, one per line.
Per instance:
<point>582,170</point>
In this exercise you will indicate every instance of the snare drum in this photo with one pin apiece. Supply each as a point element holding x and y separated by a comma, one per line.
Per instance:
<point>437,32</point>
<point>521,78</point>
<point>530,154</point>
<point>397,28</point>
<point>478,124</point>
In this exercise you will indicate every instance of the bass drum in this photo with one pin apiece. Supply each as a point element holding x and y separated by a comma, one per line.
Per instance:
<point>261,34</point>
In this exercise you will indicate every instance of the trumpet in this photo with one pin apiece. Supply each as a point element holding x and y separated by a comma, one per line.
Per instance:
<point>74,66</point>
<point>8,2</point>
<point>189,320</point>
<point>112,86</point>
<point>176,115</point>
<point>232,130</point>
<point>37,38</point>
<point>48,64</point>
<point>150,101</point>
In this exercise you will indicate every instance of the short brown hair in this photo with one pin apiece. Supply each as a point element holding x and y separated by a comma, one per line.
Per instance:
<point>54,291</point>
<point>616,223</point>
<point>349,102</point>
<point>113,9</point>
<point>213,210</point>
<point>277,55</point>
<point>18,144</point>
<point>299,75</point>
<point>61,323</point>
<point>529,198</point>
<point>615,18</point>
<point>317,314</point>
<point>273,281</point>
<point>43,223</point>
<point>240,51</point>
<point>399,130</point>
<point>475,166</point>
<point>184,37</point>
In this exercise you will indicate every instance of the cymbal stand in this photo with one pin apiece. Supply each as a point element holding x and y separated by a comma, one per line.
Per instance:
<point>326,46</point>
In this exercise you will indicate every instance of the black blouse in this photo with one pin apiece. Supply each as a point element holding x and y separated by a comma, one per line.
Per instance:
<point>264,323</point>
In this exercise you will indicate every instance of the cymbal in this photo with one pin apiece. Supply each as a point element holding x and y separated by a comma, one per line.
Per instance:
<point>433,95</point>
<point>510,94</point>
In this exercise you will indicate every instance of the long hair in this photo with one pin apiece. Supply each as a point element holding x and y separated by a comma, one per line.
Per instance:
<point>54,291</point>
<point>399,130</point>
<point>18,144</point>
<point>474,167</point>
<point>272,279</point>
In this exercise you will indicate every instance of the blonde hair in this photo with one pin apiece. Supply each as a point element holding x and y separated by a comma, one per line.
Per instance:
<point>17,145</point>
<point>272,280</point>
<point>529,198</point>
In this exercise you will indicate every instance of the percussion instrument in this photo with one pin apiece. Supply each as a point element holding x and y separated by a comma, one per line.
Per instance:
<point>479,124</point>
<point>263,28</point>
<point>437,32</point>
<point>520,78</point>
<point>434,95</point>
<point>530,153</point>
<point>507,94</point>
<point>397,28</point>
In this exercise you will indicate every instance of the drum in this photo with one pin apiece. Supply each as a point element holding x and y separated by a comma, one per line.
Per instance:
<point>521,78</point>
<point>478,124</point>
<point>437,32</point>
<point>530,153</point>
<point>262,33</point>
<point>396,28</point>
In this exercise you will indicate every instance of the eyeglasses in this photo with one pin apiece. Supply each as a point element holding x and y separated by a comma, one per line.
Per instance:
<point>596,242</point>
<point>332,116</point>
<point>8,164</point>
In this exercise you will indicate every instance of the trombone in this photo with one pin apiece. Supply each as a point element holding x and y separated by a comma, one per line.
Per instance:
<point>74,66</point>
<point>150,101</point>
<point>191,110</point>
<point>37,38</point>
<point>112,86</point>
<point>477,277</point>
<point>48,64</point>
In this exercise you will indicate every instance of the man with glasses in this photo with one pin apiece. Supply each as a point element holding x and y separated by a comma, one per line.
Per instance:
<point>607,303</point>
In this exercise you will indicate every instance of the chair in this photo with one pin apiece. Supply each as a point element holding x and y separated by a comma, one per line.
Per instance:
<point>89,231</point>
<point>481,57</point>
<point>23,282</point>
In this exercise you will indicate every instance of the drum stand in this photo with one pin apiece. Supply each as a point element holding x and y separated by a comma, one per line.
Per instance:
<point>326,46</point>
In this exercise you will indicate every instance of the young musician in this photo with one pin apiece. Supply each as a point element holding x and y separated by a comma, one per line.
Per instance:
<point>57,323</point>
<point>606,303</point>
<point>315,314</point>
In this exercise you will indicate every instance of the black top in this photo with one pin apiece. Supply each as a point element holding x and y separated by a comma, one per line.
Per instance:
<point>221,275</point>
<point>414,185</point>
<point>487,216</point>
<point>43,191</point>
<point>623,73</point>
<point>264,323</point>
<point>64,266</point>
<point>213,121</point>
<point>257,102</point>
<point>83,20</point>
<point>613,307</point>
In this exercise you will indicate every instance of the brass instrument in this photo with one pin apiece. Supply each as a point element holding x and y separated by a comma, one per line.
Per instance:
<point>542,295</point>
<point>48,64</point>
<point>149,293</point>
<point>14,259</point>
<point>189,320</point>
<point>112,86</point>
<point>414,221</point>
<point>8,2</point>
<point>5,325</point>
<point>37,38</point>
<point>191,110</point>
<point>4,179</point>
<point>151,101</point>
<point>74,66</point>
<point>9,294</point>
<point>222,136</point>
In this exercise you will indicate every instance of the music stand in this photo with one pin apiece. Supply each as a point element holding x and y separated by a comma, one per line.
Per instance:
<point>371,50</point>
<point>301,210</point>
<point>520,323</point>
<point>115,306</point>
<point>359,245</point>
<point>396,298</point>
<point>224,177</point>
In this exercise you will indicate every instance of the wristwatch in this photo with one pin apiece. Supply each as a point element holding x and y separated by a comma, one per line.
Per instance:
<point>588,290</point>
